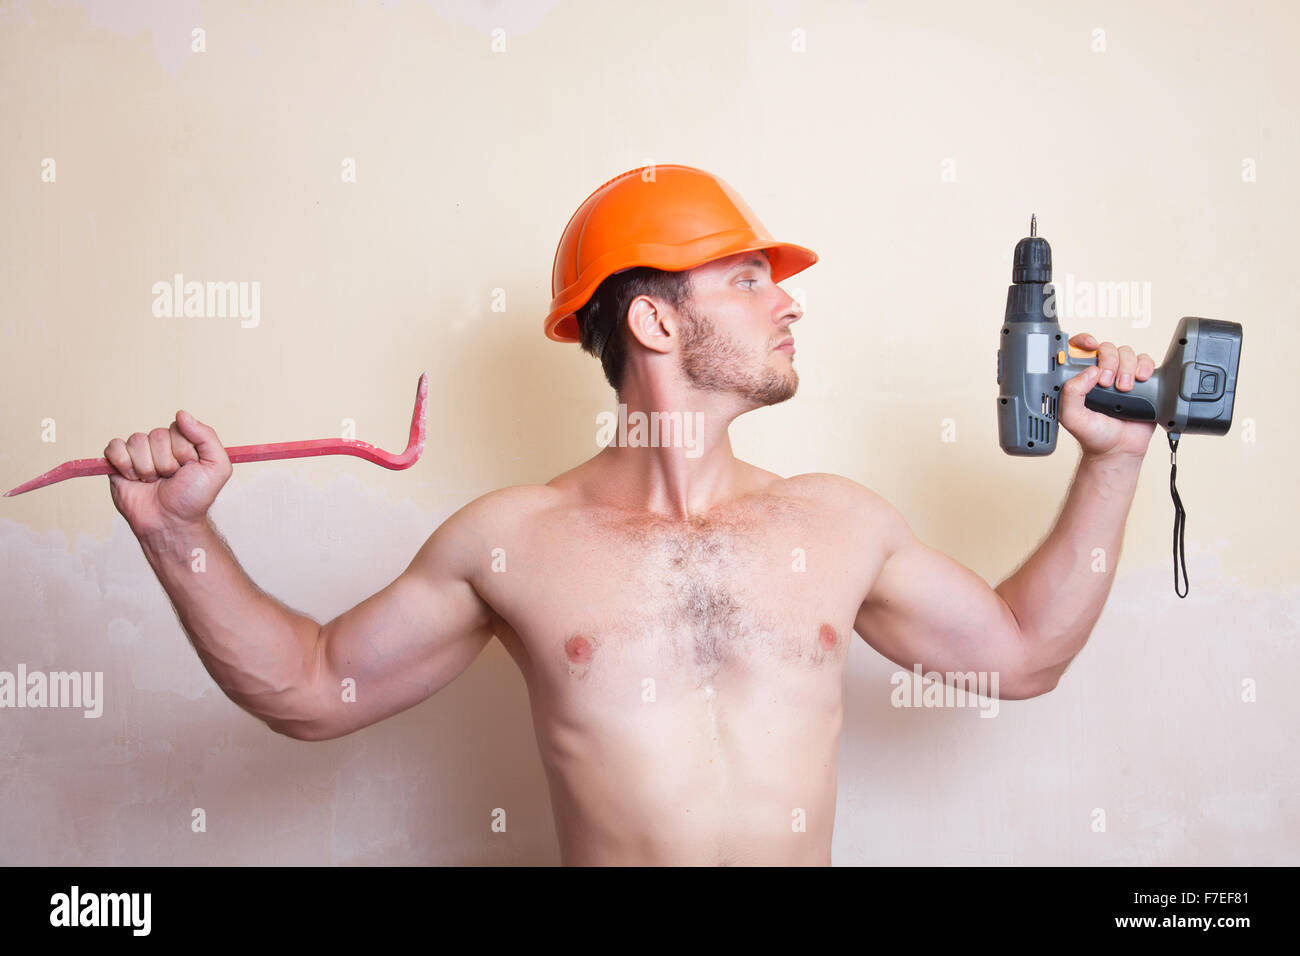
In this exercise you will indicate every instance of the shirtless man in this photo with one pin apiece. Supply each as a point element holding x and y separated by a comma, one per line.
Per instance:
<point>681,617</point>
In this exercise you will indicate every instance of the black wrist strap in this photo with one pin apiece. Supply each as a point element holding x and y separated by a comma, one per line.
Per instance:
<point>1180,519</point>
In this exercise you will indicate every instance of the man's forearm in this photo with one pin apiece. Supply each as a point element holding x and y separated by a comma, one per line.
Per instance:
<point>1057,595</point>
<point>257,650</point>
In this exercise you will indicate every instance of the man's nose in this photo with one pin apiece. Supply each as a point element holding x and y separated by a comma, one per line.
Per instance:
<point>792,312</point>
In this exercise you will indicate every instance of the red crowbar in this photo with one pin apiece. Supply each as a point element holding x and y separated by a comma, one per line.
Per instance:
<point>83,467</point>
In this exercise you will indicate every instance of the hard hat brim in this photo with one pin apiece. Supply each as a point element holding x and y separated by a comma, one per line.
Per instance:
<point>786,259</point>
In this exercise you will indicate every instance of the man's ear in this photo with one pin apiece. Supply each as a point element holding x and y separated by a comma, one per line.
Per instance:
<point>652,325</point>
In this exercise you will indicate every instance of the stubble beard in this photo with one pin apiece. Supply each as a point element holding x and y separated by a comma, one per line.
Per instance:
<point>713,362</point>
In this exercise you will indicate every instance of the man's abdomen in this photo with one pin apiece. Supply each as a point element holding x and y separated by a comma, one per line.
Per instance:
<point>736,772</point>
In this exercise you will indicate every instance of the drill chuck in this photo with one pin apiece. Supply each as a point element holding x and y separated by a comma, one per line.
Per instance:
<point>1032,261</point>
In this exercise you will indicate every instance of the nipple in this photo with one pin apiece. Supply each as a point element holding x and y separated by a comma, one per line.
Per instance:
<point>827,637</point>
<point>578,649</point>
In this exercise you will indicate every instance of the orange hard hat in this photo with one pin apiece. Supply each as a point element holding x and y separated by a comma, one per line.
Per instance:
<point>668,217</point>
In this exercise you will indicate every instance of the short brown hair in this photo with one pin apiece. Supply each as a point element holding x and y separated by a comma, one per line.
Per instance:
<point>602,322</point>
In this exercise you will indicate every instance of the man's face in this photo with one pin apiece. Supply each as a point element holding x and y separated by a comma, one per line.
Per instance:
<point>736,330</point>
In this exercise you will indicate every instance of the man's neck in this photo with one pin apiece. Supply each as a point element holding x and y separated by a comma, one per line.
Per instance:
<point>671,455</point>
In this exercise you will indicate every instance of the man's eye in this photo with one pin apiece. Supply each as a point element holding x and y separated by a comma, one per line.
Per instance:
<point>749,280</point>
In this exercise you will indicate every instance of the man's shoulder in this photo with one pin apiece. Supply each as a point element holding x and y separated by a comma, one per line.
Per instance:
<point>502,508</point>
<point>845,502</point>
<point>859,514</point>
<point>514,500</point>
<point>832,489</point>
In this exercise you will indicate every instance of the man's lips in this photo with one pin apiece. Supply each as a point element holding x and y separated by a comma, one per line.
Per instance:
<point>786,345</point>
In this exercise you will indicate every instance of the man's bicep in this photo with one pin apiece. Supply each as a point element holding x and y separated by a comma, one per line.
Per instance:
<point>926,608</point>
<point>402,644</point>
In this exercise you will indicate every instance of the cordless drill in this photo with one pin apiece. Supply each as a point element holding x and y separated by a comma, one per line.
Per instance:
<point>1191,392</point>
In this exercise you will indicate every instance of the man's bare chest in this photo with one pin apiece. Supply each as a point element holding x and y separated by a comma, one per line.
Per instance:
<point>605,599</point>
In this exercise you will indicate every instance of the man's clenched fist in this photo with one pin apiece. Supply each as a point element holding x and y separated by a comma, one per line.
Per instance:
<point>1101,436</point>
<point>168,478</point>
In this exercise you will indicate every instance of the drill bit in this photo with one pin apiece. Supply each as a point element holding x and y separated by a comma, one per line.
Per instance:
<point>1033,225</point>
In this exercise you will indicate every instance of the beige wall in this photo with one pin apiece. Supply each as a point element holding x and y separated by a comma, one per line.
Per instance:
<point>225,165</point>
